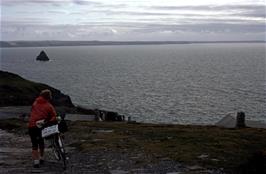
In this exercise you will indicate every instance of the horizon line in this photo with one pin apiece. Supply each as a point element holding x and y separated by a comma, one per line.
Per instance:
<point>132,41</point>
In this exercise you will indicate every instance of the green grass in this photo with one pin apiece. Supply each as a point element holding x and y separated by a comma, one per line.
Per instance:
<point>14,125</point>
<point>226,148</point>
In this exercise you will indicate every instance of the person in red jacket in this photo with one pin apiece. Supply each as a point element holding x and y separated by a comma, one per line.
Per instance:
<point>41,109</point>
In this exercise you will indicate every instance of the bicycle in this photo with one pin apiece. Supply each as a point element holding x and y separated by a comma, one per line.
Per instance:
<point>52,134</point>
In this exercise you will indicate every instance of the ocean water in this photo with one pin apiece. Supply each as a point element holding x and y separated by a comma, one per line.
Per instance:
<point>188,84</point>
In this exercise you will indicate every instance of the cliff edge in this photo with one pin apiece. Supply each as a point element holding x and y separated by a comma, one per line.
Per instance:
<point>17,91</point>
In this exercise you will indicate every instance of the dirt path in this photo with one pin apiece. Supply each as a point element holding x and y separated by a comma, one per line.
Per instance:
<point>15,156</point>
<point>14,153</point>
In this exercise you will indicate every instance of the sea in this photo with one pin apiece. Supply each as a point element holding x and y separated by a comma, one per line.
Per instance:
<point>179,84</point>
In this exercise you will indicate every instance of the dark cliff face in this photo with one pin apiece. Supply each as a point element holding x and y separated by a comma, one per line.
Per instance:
<point>15,91</point>
<point>42,56</point>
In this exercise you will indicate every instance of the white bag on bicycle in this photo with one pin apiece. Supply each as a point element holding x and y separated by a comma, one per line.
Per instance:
<point>48,131</point>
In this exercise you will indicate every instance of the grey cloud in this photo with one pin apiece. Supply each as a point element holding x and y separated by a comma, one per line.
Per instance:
<point>236,19</point>
<point>25,22</point>
<point>56,12</point>
<point>241,10</point>
<point>254,11</point>
<point>218,28</point>
<point>259,12</point>
<point>82,2</point>
<point>51,32</point>
<point>51,2</point>
<point>18,2</point>
<point>114,6</point>
<point>169,13</point>
<point>95,4</point>
<point>212,26</point>
<point>211,7</point>
<point>150,27</point>
<point>131,13</point>
<point>98,31</point>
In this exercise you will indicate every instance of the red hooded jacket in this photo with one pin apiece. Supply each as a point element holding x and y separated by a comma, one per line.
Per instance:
<point>41,109</point>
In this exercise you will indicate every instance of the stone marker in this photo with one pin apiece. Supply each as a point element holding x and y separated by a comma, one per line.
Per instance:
<point>230,121</point>
<point>240,120</point>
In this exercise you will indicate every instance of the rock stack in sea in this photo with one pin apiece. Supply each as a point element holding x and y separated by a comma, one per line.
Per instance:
<point>42,56</point>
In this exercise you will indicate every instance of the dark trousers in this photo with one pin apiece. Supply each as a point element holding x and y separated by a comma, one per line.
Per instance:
<point>36,138</point>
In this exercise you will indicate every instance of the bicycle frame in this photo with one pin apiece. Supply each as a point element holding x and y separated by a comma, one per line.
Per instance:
<point>58,148</point>
<point>52,132</point>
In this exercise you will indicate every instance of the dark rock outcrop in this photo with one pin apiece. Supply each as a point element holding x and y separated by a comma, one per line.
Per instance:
<point>83,110</point>
<point>15,91</point>
<point>42,56</point>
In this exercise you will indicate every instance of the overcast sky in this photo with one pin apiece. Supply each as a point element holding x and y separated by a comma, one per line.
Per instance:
<point>122,20</point>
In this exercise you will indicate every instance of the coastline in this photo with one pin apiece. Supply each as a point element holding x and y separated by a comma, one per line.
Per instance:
<point>83,114</point>
<point>58,43</point>
<point>148,148</point>
<point>20,93</point>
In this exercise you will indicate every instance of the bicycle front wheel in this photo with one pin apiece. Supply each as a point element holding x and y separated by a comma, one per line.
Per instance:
<point>55,148</point>
<point>61,150</point>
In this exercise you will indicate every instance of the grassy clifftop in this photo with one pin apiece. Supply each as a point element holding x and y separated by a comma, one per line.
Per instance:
<point>15,90</point>
<point>234,150</point>
<point>238,151</point>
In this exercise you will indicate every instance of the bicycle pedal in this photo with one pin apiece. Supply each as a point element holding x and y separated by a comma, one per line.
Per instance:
<point>41,161</point>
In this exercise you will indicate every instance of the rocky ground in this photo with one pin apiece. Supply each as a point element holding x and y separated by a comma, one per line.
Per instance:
<point>15,157</point>
<point>125,148</point>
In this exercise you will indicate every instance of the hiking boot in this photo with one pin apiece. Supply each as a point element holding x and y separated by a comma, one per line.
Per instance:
<point>36,163</point>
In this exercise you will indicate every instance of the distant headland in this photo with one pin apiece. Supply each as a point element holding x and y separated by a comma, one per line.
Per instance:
<point>54,43</point>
